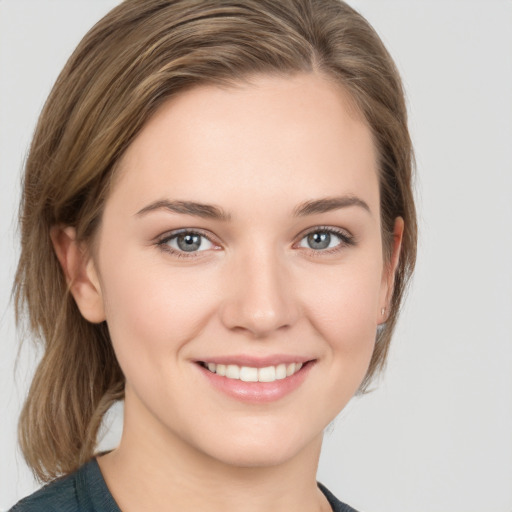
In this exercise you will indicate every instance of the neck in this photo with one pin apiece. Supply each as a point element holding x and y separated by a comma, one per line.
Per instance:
<point>161,472</point>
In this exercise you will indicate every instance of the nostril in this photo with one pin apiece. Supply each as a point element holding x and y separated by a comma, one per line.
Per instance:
<point>259,304</point>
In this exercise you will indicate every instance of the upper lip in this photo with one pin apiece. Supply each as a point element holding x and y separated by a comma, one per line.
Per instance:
<point>256,361</point>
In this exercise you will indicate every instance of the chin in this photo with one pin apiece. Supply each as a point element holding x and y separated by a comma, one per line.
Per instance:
<point>255,449</point>
<point>252,457</point>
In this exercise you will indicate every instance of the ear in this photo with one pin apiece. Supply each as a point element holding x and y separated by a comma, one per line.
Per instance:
<point>80,273</point>
<point>388,275</point>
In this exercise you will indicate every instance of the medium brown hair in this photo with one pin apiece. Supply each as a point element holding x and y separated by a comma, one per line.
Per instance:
<point>134,59</point>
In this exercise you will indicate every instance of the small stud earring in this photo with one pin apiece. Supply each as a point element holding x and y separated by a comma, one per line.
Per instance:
<point>382,311</point>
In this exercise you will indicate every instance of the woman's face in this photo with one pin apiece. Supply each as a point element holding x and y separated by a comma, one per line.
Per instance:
<point>242,236</point>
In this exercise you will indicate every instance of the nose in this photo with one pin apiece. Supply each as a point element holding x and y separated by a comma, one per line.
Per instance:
<point>260,297</point>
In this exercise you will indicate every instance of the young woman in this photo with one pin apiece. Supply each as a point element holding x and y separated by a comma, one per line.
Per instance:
<point>217,228</point>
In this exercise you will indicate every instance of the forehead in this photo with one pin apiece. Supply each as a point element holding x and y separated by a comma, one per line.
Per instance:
<point>291,138</point>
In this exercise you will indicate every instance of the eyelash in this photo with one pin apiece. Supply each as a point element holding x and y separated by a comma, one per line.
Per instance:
<point>164,241</point>
<point>346,240</point>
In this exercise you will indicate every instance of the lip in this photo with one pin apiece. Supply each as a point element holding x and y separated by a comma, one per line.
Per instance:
<point>257,392</point>
<point>255,361</point>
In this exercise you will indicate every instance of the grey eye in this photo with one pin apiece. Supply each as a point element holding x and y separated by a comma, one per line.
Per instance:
<point>319,240</point>
<point>189,242</point>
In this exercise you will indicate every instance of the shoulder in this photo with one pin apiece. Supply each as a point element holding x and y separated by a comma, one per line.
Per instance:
<point>84,490</point>
<point>336,504</point>
<point>58,496</point>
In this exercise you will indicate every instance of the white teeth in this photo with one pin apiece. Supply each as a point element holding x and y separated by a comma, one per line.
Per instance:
<point>267,374</point>
<point>281,371</point>
<point>232,371</point>
<point>250,374</point>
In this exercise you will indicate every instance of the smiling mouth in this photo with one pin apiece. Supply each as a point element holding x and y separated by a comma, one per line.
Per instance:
<point>252,374</point>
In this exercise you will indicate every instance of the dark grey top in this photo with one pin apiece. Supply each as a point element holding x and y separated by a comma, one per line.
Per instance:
<point>85,490</point>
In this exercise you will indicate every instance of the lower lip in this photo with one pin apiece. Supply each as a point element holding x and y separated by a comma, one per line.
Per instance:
<point>257,392</point>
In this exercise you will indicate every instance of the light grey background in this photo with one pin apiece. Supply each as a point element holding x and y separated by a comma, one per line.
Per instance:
<point>436,435</point>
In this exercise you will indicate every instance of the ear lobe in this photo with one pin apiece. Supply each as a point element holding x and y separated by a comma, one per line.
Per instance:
<point>388,277</point>
<point>80,273</point>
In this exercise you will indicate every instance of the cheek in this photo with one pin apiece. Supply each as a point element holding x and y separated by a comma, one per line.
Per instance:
<point>343,313</point>
<point>344,307</point>
<point>341,310</point>
<point>152,310</point>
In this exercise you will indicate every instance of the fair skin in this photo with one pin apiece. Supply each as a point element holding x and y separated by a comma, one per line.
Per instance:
<point>286,267</point>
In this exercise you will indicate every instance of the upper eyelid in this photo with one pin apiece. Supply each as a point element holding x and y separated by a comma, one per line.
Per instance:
<point>194,231</point>
<point>330,229</point>
<point>346,239</point>
<point>162,242</point>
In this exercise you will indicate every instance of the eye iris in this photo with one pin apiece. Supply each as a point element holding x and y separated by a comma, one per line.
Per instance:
<point>319,240</point>
<point>189,242</point>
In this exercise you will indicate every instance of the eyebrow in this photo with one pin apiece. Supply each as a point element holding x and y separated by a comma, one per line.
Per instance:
<point>209,211</point>
<point>328,204</point>
<point>206,211</point>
